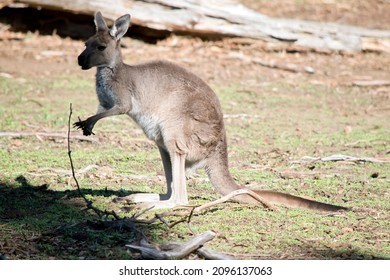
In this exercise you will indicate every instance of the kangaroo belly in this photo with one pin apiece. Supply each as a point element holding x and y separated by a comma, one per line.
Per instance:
<point>150,126</point>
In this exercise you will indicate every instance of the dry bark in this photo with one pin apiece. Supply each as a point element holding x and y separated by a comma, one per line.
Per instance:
<point>175,252</point>
<point>227,18</point>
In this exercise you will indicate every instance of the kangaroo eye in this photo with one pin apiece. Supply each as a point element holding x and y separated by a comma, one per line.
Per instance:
<point>101,48</point>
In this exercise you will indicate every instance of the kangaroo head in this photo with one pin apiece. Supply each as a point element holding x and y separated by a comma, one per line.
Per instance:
<point>103,49</point>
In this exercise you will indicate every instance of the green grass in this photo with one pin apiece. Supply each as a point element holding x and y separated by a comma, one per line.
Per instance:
<point>41,216</point>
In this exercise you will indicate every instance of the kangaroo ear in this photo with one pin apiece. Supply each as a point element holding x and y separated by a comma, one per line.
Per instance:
<point>120,27</point>
<point>100,23</point>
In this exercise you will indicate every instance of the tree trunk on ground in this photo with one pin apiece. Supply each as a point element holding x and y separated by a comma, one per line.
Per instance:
<point>226,18</point>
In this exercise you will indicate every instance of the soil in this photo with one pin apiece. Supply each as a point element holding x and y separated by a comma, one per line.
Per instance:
<point>42,56</point>
<point>371,13</point>
<point>24,53</point>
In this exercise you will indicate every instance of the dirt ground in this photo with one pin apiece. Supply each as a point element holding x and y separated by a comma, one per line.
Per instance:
<point>33,56</point>
<point>24,54</point>
<point>371,13</point>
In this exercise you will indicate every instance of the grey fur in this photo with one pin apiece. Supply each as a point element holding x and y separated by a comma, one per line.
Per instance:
<point>175,109</point>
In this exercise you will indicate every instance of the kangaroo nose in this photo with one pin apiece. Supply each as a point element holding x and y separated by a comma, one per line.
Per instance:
<point>81,60</point>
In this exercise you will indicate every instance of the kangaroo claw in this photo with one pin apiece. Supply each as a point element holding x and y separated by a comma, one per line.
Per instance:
<point>85,126</point>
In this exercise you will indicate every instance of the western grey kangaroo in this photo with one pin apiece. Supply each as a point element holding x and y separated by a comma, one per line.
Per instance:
<point>175,109</point>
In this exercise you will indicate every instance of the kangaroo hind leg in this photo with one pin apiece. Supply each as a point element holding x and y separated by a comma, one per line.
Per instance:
<point>174,168</point>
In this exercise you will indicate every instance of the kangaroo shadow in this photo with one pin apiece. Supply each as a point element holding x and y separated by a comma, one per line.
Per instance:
<point>39,223</point>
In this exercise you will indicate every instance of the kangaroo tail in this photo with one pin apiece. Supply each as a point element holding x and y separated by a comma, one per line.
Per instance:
<point>220,177</point>
<point>292,201</point>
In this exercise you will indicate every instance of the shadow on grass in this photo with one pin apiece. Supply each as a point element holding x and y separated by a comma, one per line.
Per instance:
<point>39,223</point>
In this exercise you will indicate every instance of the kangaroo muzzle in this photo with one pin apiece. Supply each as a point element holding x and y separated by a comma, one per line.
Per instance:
<point>83,62</point>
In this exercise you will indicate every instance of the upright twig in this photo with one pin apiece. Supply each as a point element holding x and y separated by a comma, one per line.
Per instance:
<point>99,212</point>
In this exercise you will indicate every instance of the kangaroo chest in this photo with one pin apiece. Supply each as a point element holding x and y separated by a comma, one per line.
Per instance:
<point>104,89</point>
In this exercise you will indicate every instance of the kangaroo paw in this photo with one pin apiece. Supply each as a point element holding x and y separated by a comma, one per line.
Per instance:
<point>86,126</point>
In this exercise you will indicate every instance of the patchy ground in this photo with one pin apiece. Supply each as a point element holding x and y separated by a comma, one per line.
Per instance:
<point>274,119</point>
<point>371,14</point>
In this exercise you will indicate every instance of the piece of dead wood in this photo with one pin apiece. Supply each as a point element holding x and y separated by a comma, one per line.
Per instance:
<point>372,83</point>
<point>43,171</point>
<point>226,18</point>
<point>209,254</point>
<point>184,217</point>
<point>46,134</point>
<point>376,44</point>
<point>203,251</point>
<point>140,177</point>
<point>47,171</point>
<point>298,175</point>
<point>291,67</point>
<point>176,252</point>
<point>340,157</point>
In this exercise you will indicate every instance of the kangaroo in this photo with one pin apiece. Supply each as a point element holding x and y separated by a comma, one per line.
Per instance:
<point>175,109</point>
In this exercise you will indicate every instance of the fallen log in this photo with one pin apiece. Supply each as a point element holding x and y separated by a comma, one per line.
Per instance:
<point>175,252</point>
<point>227,18</point>
<point>209,254</point>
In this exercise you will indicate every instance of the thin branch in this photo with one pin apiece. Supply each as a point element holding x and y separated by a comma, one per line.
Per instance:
<point>62,171</point>
<point>291,67</point>
<point>161,217</point>
<point>337,157</point>
<point>288,174</point>
<point>49,171</point>
<point>45,134</point>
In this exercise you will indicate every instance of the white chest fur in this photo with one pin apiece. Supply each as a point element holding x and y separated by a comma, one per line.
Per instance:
<point>150,124</point>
